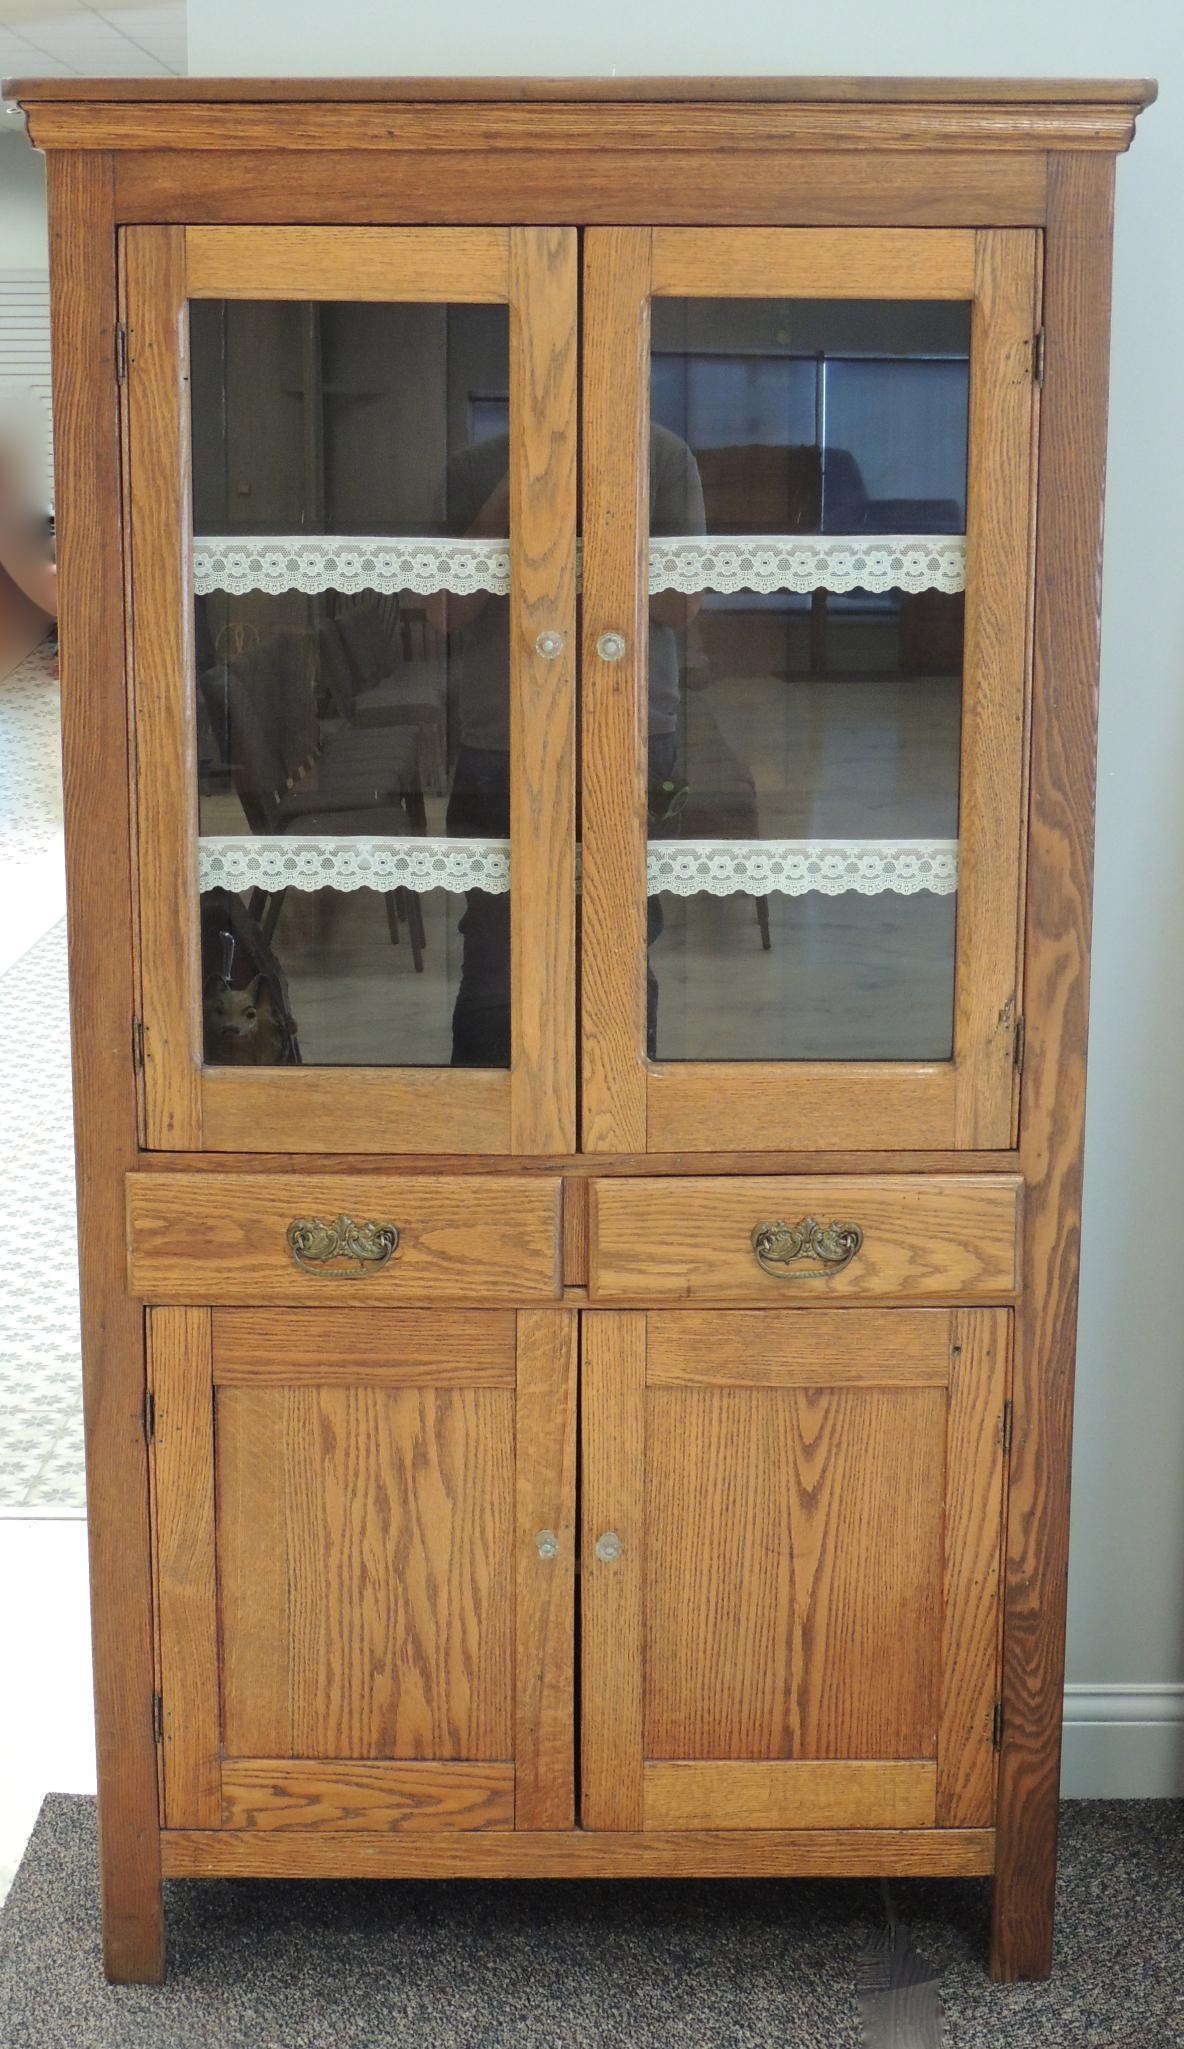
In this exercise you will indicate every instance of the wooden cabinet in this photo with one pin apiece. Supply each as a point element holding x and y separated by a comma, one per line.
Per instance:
<point>579,644</point>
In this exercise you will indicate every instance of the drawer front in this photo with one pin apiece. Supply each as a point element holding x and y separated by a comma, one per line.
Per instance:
<point>805,1239</point>
<point>357,1238</point>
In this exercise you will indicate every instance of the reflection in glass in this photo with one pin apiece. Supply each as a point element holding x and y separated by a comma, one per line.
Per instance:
<point>781,718</point>
<point>352,701</point>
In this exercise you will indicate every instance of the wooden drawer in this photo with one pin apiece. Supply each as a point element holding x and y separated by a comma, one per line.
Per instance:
<point>223,1238</point>
<point>932,1237</point>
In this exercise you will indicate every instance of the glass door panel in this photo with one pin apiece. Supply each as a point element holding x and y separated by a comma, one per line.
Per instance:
<point>340,749</point>
<point>808,462</point>
<point>351,573</point>
<point>824,635</point>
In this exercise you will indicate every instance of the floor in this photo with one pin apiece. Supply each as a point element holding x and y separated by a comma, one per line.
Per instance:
<point>46,1741</point>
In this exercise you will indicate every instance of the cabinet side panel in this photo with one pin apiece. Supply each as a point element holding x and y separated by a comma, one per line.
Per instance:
<point>99,884</point>
<point>1056,983</point>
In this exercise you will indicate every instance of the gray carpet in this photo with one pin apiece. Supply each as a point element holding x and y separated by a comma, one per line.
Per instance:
<point>736,1965</point>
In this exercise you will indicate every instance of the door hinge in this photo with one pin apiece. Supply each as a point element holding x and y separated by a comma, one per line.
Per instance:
<point>138,1044</point>
<point>121,353</point>
<point>1038,358</point>
<point>996,1726</point>
<point>1021,1035</point>
<point>157,1717</point>
<point>150,1417</point>
<point>1005,1437</point>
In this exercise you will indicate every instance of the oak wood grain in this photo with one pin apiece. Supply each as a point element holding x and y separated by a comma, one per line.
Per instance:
<point>849,1104</point>
<point>159,495</point>
<point>693,125</point>
<point>851,1794</point>
<point>793,1579</point>
<point>615,601</point>
<point>462,265</point>
<point>222,1239</point>
<point>183,1452</point>
<point>612,1443</point>
<point>974,1469</point>
<point>690,1240</point>
<point>366,1347</point>
<point>544,346</point>
<point>1001,453</point>
<point>361,1109</point>
<point>815,1348</point>
<point>1136,92</point>
<point>575,1232</point>
<point>544,1642</point>
<point>95,742</point>
<point>812,263</point>
<point>852,188</point>
<point>314,1793</point>
<point>364,1536</point>
<point>592,1166</point>
<point>585,1853</point>
<point>1056,975</point>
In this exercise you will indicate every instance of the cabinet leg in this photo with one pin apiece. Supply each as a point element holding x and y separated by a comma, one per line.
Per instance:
<point>133,1922</point>
<point>1022,1907</point>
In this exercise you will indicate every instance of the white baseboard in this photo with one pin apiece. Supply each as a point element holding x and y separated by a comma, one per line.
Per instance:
<point>1123,1743</point>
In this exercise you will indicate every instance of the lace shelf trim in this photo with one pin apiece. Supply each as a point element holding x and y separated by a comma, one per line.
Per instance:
<point>674,867</point>
<point>690,563</point>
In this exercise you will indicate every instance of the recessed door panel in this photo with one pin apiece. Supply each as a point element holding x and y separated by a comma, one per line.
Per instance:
<point>792,1525</point>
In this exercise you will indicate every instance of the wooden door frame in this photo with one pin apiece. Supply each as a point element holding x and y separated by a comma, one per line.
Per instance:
<point>529,1108</point>
<point>629,1102</point>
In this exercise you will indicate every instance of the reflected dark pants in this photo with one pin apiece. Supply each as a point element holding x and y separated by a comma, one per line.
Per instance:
<point>479,807</point>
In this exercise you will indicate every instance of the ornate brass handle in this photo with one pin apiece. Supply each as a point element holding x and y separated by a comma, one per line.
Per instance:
<point>830,1246</point>
<point>342,1250</point>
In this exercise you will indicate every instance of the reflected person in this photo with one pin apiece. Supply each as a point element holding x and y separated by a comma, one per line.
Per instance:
<point>478,499</point>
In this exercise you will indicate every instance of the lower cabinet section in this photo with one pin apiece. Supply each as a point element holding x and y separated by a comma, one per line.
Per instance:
<point>365,1530</point>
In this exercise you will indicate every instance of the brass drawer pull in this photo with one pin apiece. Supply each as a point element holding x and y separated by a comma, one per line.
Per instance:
<point>321,1248</point>
<point>830,1246</point>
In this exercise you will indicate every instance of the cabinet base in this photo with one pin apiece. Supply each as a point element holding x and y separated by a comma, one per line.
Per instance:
<point>579,1853</point>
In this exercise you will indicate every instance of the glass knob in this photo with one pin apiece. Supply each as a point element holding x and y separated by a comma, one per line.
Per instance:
<point>549,645</point>
<point>546,1543</point>
<point>610,647</point>
<point>608,1547</point>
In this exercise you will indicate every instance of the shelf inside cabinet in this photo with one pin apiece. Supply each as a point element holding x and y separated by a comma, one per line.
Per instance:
<point>690,563</point>
<point>690,867</point>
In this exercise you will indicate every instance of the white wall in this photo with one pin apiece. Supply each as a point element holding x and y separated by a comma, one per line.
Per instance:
<point>1126,1651</point>
<point>23,241</point>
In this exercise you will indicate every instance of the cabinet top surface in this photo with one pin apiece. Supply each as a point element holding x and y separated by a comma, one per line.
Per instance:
<point>1135,93</point>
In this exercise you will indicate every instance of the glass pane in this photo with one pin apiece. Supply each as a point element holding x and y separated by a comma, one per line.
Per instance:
<point>807,562</point>
<point>351,569</point>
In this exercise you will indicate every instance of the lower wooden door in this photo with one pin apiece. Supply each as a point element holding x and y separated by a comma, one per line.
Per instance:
<point>364,1527</point>
<point>791,1537</point>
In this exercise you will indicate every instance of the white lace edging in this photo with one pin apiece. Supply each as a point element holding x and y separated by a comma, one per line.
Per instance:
<point>673,867</point>
<point>801,867</point>
<point>809,562</point>
<point>349,562</point>
<point>355,863</point>
<point>688,563</point>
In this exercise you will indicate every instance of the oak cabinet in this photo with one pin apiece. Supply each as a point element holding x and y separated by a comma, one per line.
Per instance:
<point>579,686</point>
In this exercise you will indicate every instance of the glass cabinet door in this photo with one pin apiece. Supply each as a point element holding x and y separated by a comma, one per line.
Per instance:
<point>353,598</point>
<point>804,685</point>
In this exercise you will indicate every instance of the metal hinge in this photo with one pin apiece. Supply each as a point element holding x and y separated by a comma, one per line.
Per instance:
<point>150,1416</point>
<point>997,1727</point>
<point>1038,358</point>
<point>1021,1035</point>
<point>138,1044</point>
<point>121,353</point>
<point>157,1717</point>
<point>1008,1413</point>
